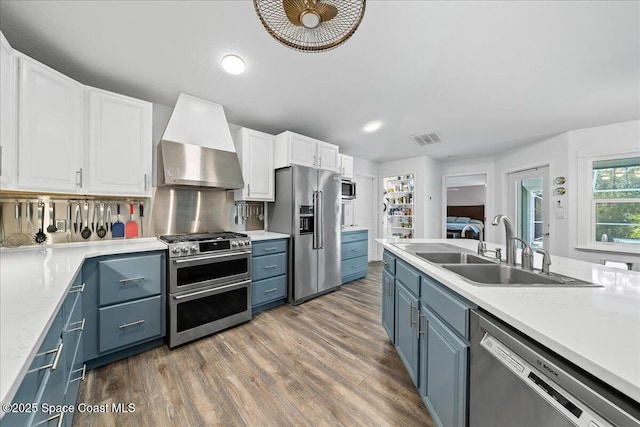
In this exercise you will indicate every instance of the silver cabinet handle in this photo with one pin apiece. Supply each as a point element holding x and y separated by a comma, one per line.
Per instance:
<point>78,328</point>
<point>80,378</point>
<point>269,249</point>
<point>77,288</point>
<point>137,322</point>
<point>56,359</point>
<point>145,182</point>
<point>249,190</point>
<point>132,279</point>
<point>60,416</point>
<point>268,291</point>
<point>418,331</point>
<point>355,266</point>
<point>355,250</point>
<point>385,262</point>
<point>411,307</point>
<point>267,267</point>
<point>79,178</point>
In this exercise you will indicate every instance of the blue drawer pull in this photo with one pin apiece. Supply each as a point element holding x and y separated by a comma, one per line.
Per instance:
<point>137,322</point>
<point>81,378</point>
<point>132,279</point>
<point>54,365</point>
<point>79,328</point>
<point>268,291</point>
<point>267,267</point>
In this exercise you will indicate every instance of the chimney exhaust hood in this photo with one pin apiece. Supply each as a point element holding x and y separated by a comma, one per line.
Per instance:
<point>196,148</point>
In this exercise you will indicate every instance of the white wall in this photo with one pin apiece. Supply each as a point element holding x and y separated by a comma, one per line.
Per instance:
<point>470,195</point>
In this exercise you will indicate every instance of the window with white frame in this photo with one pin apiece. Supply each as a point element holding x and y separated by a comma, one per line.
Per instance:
<point>615,201</point>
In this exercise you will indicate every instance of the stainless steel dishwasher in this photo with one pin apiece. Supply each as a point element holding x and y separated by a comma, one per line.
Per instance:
<point>514,381</point>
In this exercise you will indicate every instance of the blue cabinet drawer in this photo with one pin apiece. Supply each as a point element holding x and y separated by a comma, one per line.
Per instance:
<point>129,322</point>
<point>268,290</point>
<point>409,276</point>
<point>354,265</point>
<point>268,266</point>
<point>268,247</point>
<point>124,279</point>
<point>354,236</point>
<point>354,249</point>
<point>451,308</point>
<point>389,262</point>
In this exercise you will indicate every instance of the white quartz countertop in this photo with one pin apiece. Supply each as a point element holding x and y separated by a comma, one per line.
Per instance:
<point>597,329</point>
<point>258,235</point>
<point>354,228</point>
<point>33,283</point>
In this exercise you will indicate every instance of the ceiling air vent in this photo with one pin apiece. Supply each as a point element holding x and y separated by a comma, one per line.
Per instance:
<point>426,138</point>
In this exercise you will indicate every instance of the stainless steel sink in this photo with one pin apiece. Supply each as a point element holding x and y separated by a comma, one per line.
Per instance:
<point>427,247</point>
<point>502,275</point>
<point>453,258</point>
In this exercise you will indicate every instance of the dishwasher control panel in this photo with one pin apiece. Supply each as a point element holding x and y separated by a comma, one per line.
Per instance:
<point>573,409</point>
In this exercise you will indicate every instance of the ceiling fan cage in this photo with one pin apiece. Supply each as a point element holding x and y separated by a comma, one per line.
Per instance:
<point>327,35</point>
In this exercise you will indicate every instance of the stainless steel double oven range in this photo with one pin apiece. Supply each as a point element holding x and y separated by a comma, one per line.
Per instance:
<point>209,284</point>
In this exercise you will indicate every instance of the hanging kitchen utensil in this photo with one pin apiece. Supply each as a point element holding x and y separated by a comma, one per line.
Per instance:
<point>18,238</point>
<point>52,218</point>
<point>141,219</point>
<point>40,237</point>
<point>260,213</point>
<point>246,212</point>
<point>131,229</point>
<point>1,226</point>
<point>86,233</point>
<point>101,230</point>
<point>117,229</point>
<point>109,223</point>
<point>67,221</point>
<point>75,223</point>
<point>28,207</point>
<point>94,219</point>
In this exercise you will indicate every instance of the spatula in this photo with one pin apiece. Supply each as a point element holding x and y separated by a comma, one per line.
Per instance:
<point>131,229</point>
<point>117,229</point>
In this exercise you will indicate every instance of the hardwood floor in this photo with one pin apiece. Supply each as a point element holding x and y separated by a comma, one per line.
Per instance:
<point>327,362</point>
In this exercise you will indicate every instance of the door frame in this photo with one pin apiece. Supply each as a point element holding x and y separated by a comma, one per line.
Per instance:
<point>488,204</point>
<point>376,255</point>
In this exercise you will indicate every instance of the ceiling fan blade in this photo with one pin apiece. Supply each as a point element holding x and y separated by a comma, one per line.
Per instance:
<point>293,9</point>
<point>326,11</point>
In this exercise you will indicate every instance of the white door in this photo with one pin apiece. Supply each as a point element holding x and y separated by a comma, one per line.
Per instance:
<point>528,205</point>
<point>257,164</point>
<point>365,209</point>
<point>303,150</point>
<point>328,157</point>
<point>119,149</point>
<point>8,107</point>
<point>51,129</point>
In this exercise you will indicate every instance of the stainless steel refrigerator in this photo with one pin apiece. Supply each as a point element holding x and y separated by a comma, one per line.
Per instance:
<point>307,207</point>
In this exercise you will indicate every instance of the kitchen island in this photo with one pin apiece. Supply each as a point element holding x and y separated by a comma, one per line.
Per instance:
<point>33,283</point>
<point>597,329</point>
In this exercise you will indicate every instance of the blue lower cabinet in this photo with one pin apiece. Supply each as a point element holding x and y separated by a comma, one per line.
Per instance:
<point>354,255</point>
<point>269,267</point>
<point>130,322</point>
<point>388,305</point>
<point>407,334</point>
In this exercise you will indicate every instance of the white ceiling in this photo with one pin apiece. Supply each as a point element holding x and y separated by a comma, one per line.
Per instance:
<point>486,75</point>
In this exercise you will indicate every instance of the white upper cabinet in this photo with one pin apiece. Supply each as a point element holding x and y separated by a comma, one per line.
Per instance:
<point>119,144</point>
<point>255,152</point>
<point>294,149</point>
<point>8,107</point>
<point>347,166</point>
<point>50,124</point>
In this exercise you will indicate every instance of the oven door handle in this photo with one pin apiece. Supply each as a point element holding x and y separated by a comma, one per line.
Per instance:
<point>204,258</point>
<point>206,291</point>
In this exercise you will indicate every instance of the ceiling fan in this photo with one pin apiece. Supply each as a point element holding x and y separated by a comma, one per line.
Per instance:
<point>310,25</point>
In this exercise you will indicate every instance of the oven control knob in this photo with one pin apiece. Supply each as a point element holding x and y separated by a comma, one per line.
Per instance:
<point>176,250</point>
<point>240,243</point>
<point>185,249</point>
<point>247,242</point>
<point>234,244</point>
<point>194,248</point>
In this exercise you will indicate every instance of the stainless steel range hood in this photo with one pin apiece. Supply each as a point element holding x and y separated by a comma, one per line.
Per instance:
<point>196,149</point>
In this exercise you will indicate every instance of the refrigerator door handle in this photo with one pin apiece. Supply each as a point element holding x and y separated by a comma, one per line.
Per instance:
<point>315,220</point>
<point>320,220</point>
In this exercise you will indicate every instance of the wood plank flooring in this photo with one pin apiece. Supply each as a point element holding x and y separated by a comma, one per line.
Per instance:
<point>327,362</point>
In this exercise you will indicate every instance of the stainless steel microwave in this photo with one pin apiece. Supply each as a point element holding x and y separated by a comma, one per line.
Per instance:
<point>348,189</point>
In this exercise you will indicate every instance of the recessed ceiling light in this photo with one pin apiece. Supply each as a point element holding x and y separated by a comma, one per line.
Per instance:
<point>233,64</point>
<point>372,126</point>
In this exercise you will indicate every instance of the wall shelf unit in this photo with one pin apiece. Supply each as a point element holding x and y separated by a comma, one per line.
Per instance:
<point>399,206</point>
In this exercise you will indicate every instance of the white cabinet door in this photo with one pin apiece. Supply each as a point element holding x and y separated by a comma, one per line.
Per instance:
<point>255,151</point>
<point>8,115</point>
<point>50,127</point>
<point>302,150</point>
<point>347,166</point>
<point>120,148</point>
<point>328,157</point>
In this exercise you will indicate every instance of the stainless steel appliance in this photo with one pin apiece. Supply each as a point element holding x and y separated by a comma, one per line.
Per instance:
<point>515,381</point>
<point>209,284</point>
<point>307,207</point>
<point>348,189</point>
